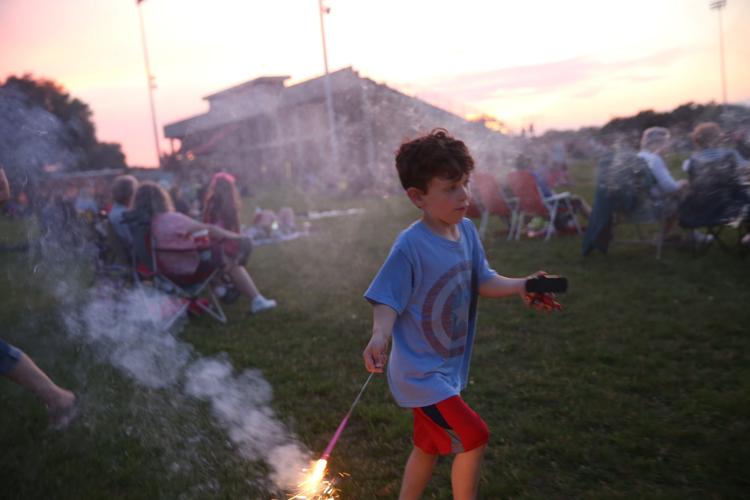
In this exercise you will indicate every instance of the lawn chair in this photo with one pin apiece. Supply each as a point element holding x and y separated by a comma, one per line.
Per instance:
<point>716,198</point>
<point>531,202</point>
<point>629,182</point>
<point>193,290</point>
<point>488,198</point>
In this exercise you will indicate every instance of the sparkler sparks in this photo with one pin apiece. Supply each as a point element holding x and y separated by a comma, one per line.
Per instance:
<point>316,486</point>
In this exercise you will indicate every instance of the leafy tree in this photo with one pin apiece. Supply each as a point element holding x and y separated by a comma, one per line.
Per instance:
<point>683,118</point>
<point>75,115</point>
<point>107,155</point>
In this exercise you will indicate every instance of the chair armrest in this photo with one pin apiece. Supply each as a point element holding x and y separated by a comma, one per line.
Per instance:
<point>558,196</point>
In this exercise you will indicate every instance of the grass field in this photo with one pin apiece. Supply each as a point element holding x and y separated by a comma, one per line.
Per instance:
<point>640,388</point>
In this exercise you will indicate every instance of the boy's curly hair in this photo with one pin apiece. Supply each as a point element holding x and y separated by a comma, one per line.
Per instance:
<point>436,154</point>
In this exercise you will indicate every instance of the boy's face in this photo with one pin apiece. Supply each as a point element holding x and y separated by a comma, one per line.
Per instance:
<point>445,201</point>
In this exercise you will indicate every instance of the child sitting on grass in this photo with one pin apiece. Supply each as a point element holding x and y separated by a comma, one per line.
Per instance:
<point>425,298</point>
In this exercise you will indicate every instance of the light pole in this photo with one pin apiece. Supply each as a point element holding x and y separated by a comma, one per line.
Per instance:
<point>327,88</point>
<point>717,5</point>
<point>151,85</point>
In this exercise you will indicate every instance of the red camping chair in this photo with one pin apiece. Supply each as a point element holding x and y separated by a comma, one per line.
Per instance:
<point>531,203</point>
<point>488,198</point>
<point>192,290</point>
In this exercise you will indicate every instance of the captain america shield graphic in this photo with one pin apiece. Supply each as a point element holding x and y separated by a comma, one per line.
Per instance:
<point>445,314</point>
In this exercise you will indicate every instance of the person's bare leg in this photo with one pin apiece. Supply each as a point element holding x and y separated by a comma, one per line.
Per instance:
<point>242,281</point>
<point>465,474</point>
<point>28,375</point>
<point>417,474</point>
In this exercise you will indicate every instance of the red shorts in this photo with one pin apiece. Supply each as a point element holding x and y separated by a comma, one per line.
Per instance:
<point>449,426</point>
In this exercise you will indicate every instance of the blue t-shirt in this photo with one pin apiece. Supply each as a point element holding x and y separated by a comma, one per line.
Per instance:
<point>432,283</point>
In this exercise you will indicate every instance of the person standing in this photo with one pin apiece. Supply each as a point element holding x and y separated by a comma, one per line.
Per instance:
<point>424,298</point>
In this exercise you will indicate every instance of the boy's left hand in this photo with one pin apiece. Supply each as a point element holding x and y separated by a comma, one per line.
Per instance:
<point>542,301</point>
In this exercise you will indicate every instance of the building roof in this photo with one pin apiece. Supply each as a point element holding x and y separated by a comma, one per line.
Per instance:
<point>295,94</point>
<point>244,87</point>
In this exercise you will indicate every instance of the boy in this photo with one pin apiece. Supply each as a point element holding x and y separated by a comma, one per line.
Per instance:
<point>425,295</point>
<point>123,191</point>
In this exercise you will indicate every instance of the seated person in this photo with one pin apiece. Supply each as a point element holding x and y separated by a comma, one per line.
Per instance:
<point>287,222</point>
<point>180,204</point>
<point>717,194</point>
<point>580,206</point>
<point>222,208</point>
<point>706,138</point>
<point>85,204</point>
<point>741,138</point>
<point>655,141</point>
<point>174,231</point>
<point>58,219</point>
<point>265,225</point>
<point>123,190</point>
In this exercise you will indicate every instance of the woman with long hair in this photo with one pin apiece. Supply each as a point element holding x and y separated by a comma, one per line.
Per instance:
<point>222,203</point>
<point>174,230</point>
<point>222,208</point>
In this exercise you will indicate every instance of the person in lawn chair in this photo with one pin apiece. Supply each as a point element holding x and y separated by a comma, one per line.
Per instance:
<point>123,190</point>
<point>655,142</point>
<point>222,208</point>
<point>563,220</point>
<point>153,212</point>
<point>718,192</point>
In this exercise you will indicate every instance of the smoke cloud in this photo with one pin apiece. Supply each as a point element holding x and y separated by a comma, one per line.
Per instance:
<point>123,330</point>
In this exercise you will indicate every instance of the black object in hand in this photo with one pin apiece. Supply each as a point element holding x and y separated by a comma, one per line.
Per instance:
<point>547,283</point>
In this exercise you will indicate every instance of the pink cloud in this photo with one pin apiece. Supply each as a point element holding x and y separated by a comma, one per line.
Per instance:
<point>540,78</point>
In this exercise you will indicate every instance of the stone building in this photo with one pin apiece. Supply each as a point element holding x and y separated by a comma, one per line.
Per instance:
<point>266,131</point>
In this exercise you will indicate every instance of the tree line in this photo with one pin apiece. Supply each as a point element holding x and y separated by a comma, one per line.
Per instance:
<point>76,118</point>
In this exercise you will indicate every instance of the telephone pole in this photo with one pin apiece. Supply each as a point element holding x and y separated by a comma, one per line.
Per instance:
<point>327,88</point>
<point>151,85</point>
<point>717,5</point>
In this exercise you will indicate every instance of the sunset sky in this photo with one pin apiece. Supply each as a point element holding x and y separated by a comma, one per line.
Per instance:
<point>558,64</point>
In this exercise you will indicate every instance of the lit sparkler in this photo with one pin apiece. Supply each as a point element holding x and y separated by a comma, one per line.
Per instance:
<point>315,486</point>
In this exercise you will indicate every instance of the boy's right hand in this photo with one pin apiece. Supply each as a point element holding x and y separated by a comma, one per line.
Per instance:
<point>376,353</point>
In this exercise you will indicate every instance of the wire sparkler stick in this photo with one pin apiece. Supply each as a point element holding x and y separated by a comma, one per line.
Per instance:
<point>314,486</point>
<point>340,429</point>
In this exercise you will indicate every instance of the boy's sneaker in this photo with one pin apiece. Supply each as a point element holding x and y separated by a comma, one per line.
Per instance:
<point>260,303</point>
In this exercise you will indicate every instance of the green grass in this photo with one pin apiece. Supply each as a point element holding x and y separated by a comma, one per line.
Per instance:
<point>640,388</point>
